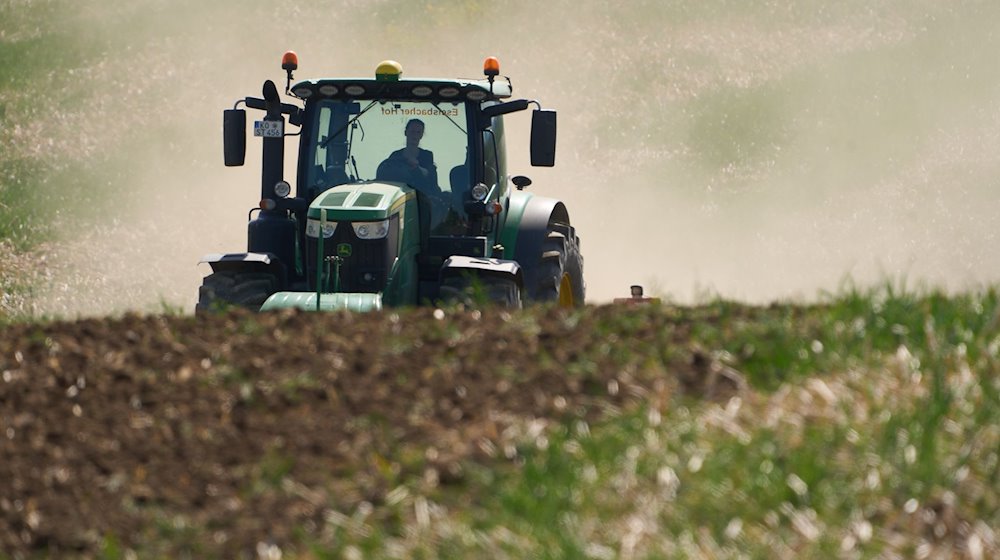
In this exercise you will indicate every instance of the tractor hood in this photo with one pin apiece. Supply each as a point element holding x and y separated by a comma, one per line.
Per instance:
<point>366,202</point>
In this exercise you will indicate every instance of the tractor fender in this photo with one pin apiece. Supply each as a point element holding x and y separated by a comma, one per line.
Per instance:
<point>458,264</point>
<point>494,281</point>
<point>528,219</point>
<point>247,262</point>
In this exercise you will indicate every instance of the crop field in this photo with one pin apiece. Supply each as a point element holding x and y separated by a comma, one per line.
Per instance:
<point>810,188</point>
<point>864,426</point>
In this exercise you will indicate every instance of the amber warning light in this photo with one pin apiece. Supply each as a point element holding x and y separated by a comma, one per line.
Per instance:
<point>491,66</point>
<point>290,61</point>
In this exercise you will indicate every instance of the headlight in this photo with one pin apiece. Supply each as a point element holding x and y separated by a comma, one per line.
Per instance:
<point>312,229</point>
<point>282,189</point>
<point>479,192</point>
<point>371,230</point>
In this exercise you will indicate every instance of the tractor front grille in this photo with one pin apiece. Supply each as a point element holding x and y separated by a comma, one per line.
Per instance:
<point>365,268</point>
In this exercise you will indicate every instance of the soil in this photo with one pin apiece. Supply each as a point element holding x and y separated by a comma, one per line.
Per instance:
<point>227,429</point>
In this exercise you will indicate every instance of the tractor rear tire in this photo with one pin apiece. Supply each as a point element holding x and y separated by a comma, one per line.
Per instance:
<point>248,290</point>
<point>561,277</point>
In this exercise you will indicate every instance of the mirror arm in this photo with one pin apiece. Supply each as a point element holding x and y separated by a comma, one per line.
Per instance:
<point>257,103</point>
<point>502,109</point>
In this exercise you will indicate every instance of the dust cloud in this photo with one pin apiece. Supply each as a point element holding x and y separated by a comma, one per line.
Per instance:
<point>752,150</point>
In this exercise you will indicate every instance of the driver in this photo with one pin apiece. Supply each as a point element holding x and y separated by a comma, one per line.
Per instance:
<point>412,164</point>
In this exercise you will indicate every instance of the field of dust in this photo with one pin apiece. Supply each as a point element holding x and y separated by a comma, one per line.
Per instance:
<point>758,151</point>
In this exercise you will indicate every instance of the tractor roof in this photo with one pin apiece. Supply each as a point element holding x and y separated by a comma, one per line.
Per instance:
<point>410,89</point>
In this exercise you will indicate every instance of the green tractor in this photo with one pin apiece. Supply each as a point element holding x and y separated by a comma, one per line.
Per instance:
<point>403,198</point>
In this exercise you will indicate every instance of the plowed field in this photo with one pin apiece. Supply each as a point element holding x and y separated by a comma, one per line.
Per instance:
<point>227,431</point>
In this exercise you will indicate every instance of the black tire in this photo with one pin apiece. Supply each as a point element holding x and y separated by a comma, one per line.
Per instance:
<point>248,290</point>
<point>561,277</point>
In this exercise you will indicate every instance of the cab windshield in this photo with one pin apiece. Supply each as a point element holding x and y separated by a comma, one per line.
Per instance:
<point>421,144</point>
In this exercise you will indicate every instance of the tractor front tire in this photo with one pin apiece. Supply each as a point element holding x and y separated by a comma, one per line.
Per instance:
<point>561,277</point>
<point>248,290</point>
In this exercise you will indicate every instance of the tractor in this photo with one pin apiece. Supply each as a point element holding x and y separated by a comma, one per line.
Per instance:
<point>403,198</point>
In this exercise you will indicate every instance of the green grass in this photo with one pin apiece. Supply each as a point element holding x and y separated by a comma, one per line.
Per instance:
<point>58,169</point>
<point>882,443</point>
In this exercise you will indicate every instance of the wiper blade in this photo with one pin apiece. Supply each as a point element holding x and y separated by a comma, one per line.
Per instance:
<point>443,112</point>
<point>351,121</point>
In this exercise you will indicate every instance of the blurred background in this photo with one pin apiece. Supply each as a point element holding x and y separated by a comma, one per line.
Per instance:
<point>750,149</point>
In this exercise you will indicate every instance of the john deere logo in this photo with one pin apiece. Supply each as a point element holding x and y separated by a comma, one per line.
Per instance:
<point>343,250</point>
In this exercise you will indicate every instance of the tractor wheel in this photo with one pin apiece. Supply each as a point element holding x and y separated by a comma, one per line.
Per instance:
<point>561,278</point>
<point>235,289</point>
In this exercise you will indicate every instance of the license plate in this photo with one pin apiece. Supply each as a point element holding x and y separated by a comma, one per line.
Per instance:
<point>268,129</point>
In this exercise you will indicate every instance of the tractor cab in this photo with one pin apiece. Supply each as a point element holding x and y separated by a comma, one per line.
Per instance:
<point>429,134</point>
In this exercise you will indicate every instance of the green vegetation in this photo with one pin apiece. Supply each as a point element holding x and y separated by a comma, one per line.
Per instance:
<point>863,426</point>
<point>79,142</point>
<point>869,428</point>
<point>38,55</point>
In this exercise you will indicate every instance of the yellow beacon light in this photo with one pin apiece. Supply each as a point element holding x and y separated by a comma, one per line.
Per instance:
<point>388,71</point>
<point>491,66</point>
<point>290,61</point>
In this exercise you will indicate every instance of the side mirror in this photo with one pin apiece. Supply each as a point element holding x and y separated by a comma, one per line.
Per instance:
<point>543,138</point>
<point>234,136</point>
